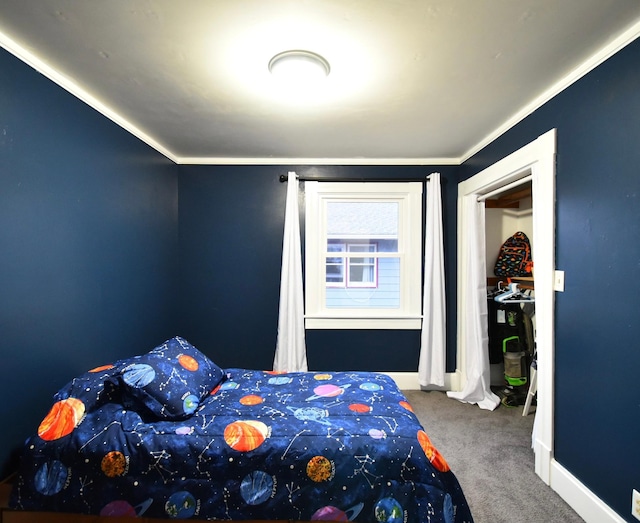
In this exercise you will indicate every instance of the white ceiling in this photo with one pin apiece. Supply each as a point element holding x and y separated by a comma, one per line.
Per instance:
<point>412,81</point>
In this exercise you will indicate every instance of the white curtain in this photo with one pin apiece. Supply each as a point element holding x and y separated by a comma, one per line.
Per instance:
<point>291,351</point>
<point>431,367</point>
<point>474,291</point>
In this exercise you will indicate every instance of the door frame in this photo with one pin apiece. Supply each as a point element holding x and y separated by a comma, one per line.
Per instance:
<point>536,159</point>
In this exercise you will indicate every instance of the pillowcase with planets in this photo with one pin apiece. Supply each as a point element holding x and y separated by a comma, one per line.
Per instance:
<point>170,381</point>
<point>94,388</point>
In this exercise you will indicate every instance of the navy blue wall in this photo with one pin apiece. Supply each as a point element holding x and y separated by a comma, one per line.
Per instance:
<point>597,419</point>
<point>88,231</point>
<point>90,248</point>
<point>231,226</point>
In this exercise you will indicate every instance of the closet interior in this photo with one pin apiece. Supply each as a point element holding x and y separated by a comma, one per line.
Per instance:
<point>511,299</point>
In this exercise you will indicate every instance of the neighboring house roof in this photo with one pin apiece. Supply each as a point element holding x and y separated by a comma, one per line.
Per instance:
<point>357,219</point>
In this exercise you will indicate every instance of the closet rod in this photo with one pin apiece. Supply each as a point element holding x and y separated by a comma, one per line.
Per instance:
<point>285,177</point>
<point>504,188</point>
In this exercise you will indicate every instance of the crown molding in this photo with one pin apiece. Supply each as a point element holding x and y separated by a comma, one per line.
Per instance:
<point>576,74</point>
<point>73,88</point>
<point>316,161</point>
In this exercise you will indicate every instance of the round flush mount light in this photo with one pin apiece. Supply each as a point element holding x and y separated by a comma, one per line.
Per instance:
<point>299,65</point>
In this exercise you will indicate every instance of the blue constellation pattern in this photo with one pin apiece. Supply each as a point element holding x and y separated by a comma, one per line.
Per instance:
<point>340,446</point>
<point>365,464</point>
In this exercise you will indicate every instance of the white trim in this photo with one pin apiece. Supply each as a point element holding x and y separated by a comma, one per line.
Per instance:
<point>345,322</point>
<point>407,314</point>
<point>538,160</point>
<point>316,161</point>
<point>69,85</point>
<point>588,506</point>
<point>582,70</point>
<point>72,87</point>
<point>503,189</point>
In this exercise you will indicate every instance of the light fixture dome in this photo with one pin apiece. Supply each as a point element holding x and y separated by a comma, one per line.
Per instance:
<point>299,65</point>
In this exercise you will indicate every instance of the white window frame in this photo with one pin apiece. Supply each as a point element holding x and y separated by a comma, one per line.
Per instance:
<point>373,284</point>
<point>343,283</point>
<point>408,315</point>
<point>347,263</point>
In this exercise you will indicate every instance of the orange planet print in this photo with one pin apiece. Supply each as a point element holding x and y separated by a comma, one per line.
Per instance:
<point>101,368</point>
<point>322,377</point>
<point>188,362</point>
<point>244,436</point>
<point>64,416</point>
<point>431,452</point>
<point>320,469</point>
<point>114,464</point>
<point>251,399</point>
<point>359,407</point>
<point>215,389</point>
<point>406,405</point>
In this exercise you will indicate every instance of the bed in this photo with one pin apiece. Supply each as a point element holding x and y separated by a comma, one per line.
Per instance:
<point>169,434</point>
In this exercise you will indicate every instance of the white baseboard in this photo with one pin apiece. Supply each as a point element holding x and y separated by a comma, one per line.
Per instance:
<point>410,381</point>
<point>588,506</point>
<point>543,458</point>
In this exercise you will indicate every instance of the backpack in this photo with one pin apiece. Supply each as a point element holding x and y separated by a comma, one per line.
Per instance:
<point>514,258</point>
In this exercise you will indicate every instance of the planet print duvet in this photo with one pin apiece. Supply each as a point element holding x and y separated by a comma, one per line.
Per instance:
<point>170,435</point>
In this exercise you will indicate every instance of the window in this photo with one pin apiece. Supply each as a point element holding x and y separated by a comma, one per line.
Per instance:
<point>363,246</point>
<point>343,271</point>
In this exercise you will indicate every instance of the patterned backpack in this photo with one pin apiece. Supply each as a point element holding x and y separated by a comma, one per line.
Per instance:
<point>514,258</point>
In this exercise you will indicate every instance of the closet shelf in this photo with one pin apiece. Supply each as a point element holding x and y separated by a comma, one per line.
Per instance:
<point>525,282</point>
<point>510,199</point>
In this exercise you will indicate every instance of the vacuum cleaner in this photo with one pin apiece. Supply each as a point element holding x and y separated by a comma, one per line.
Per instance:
<point>516,372</point>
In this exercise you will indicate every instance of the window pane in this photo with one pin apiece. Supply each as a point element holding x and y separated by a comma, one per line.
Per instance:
<point>361,274</point>
<point>369,247</point>
<point>363,251</point>
<point>387,245</point>
<point>362,219</point>
<point>361,294</point>
<point>335,265</point>
<point>335,271</point>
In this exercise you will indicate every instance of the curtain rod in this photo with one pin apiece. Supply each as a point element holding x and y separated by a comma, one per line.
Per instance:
<point>285,177</point>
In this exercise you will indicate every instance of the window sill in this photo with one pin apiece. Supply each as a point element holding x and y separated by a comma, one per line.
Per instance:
<point>364,323</point>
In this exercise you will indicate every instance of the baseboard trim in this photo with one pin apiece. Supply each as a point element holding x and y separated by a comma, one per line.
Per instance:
<point>543,459</point>
<point>588,506</point>
<point>411,381</point>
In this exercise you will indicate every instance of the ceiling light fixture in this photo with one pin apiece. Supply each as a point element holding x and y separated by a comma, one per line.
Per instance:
<point>299,65</point>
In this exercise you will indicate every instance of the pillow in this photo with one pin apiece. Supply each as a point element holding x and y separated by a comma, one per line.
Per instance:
<point>170,381</point>
<point>94,388</point>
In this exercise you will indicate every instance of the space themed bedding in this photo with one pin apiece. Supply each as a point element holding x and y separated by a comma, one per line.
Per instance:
<point>169,434</point>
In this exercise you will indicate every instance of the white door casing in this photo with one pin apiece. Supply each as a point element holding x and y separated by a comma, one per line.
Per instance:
<point>537,159</point>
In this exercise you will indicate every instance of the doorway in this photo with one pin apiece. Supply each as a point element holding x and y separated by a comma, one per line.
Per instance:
<point>509,210</point>
<point>537,162</point>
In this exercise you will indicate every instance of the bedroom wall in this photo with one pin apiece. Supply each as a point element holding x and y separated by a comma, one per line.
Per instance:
<point>231,226</point>
<point>597,416</point>
<point>88,236</point>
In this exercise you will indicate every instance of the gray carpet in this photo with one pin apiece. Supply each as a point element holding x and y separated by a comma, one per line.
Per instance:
<point>490,453</point>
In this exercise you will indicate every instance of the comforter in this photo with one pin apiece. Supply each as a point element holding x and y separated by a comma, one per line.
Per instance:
<point>171,435</point>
